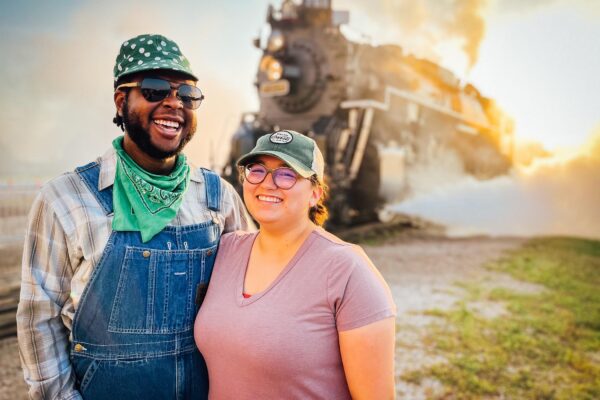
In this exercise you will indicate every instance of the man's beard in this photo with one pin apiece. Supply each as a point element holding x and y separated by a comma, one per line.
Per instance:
<point>141,137</point>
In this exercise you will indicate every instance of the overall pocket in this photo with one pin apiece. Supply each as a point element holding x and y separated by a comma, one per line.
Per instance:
<point>84,368</point>
<point>156,289</point>
<point>130,379</point>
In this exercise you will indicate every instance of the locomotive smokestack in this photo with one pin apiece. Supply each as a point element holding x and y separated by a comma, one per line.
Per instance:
<point>470,25</point>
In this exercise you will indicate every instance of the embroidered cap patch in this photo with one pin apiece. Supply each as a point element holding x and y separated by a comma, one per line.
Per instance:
<point>281,137</point>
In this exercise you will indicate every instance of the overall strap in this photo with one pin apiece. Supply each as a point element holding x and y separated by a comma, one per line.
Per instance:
<point>213,189</point>
<point>90,174</point>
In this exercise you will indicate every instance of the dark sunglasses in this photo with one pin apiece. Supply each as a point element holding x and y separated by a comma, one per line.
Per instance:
<point>155,90</point>
<point>283,177</point>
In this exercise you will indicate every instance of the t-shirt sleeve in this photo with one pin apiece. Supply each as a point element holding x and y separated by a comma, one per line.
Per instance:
<point>228,242</point>
<point>229,247</point>
<point>357,291</point>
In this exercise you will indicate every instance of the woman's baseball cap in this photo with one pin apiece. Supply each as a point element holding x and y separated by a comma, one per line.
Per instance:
<point>298,151</point>
<point>149,52</point>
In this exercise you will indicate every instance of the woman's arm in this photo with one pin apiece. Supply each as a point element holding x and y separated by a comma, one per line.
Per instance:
<point>368,358</point>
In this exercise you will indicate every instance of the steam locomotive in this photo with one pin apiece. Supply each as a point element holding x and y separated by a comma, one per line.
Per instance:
<point>380,116</point>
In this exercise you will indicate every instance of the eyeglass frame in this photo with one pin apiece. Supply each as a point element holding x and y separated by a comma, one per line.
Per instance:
<point>171,85</point>
<point>242,171</point>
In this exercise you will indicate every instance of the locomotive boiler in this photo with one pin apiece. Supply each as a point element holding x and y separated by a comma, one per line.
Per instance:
<point>379,115</point>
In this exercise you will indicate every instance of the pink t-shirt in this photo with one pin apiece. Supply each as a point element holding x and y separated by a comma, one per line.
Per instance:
<point>282,343</point>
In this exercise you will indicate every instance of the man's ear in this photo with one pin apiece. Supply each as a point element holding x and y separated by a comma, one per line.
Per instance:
<point>119,98</point>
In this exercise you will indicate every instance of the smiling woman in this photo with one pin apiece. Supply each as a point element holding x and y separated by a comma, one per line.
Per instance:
<point>305,314</point>
<point>281,200</point>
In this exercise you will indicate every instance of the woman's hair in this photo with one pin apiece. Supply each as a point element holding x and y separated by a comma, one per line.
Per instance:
<point>318,214</point>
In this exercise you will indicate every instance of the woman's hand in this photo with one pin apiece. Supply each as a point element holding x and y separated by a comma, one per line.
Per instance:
<point>368,358</point>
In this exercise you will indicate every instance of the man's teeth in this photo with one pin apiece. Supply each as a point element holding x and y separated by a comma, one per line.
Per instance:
<point>269,199</point>
<point>169,124</point>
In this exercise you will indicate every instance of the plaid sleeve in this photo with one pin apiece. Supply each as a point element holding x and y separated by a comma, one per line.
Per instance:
<point>236,216</point>
<point>46,282</point>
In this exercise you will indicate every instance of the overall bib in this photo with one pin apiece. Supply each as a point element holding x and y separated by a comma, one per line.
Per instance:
<point>132,334</point>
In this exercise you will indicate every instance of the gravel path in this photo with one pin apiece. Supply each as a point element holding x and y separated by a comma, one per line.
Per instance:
<point>12,386</point>
<point>421,273</point>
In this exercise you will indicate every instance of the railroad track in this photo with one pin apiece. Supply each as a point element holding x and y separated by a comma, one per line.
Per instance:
<point>400,226</point>
<point>9,298</point>
<point>10,273</point>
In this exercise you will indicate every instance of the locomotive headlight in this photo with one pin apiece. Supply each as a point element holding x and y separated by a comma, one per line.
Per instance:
<point>276,41</point>
<point>275,71</point>
<point>271,67</point>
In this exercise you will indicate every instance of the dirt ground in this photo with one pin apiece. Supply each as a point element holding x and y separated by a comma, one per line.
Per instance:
<point>421,273</point>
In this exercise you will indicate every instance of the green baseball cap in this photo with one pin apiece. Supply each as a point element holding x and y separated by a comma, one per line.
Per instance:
<point>298,151</point>
<point>150,52</point>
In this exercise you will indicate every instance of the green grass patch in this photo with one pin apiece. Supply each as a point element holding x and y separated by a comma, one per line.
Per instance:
<point>547,347</point>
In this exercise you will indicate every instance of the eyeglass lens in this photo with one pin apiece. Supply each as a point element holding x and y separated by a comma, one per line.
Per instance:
<point>155,90</point>
<point>284,178</point>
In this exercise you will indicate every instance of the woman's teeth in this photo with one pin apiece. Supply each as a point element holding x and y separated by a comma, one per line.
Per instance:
<point>269,199</point>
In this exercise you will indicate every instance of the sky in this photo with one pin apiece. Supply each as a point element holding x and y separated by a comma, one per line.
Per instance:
<point>539,59</point>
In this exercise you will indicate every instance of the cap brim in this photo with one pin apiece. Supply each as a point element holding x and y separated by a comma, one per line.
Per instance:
<point>289,160</point>
<point>158,70</point>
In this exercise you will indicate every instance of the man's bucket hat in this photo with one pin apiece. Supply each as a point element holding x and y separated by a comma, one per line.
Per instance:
<point>150,52</point>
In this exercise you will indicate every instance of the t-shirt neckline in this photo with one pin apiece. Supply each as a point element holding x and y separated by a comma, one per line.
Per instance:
<point>244,301</point>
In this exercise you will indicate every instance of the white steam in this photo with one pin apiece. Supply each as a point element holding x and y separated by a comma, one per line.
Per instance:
<point>553,197</point>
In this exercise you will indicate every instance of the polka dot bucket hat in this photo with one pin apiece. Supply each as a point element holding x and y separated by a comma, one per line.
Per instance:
<point>148,52</point>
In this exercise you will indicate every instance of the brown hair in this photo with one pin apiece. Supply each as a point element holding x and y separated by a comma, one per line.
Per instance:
<point>318,214</point>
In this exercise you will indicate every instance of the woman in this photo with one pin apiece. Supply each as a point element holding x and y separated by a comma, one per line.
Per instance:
<point>293,312</point>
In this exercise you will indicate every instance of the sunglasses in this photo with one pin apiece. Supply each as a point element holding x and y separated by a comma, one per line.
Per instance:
<point>155,90</point>
<point>283,177</point>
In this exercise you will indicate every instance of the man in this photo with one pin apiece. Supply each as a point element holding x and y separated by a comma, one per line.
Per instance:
<point>118,253</point>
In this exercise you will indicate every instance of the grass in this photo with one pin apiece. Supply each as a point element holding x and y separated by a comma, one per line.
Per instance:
<point>548,344</point>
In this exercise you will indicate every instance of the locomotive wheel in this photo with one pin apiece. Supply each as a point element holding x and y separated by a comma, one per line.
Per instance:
<point>364,193</point>
<point>341,214</point>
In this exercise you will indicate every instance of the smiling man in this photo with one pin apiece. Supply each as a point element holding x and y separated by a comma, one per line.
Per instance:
<point>118,253</point>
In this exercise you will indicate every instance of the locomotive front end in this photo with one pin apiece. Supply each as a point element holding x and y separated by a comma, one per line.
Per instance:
<point>389,124</point>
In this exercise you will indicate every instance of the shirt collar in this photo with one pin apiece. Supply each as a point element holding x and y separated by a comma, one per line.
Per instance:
<point>108,169</point>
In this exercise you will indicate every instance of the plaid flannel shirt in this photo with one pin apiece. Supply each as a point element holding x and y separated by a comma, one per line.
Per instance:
<point>63,244</point>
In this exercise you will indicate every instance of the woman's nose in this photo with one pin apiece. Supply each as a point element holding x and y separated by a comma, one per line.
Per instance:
<point>269,182</point>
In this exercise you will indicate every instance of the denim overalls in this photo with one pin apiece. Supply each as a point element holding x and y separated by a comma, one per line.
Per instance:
<point>132,334</point>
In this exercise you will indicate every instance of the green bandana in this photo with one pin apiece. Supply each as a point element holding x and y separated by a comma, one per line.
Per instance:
<point>143,201</point>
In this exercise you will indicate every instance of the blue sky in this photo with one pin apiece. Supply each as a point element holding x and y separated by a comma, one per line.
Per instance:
<point>539,60</point>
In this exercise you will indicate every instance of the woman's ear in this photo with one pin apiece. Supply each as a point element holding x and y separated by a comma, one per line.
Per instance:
<point>317,192</point>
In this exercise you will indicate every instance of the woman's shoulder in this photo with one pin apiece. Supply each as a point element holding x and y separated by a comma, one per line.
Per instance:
<point>344,254</point>
<point>235,238</point>
<point>330,238</point>
<point>355,288</point>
